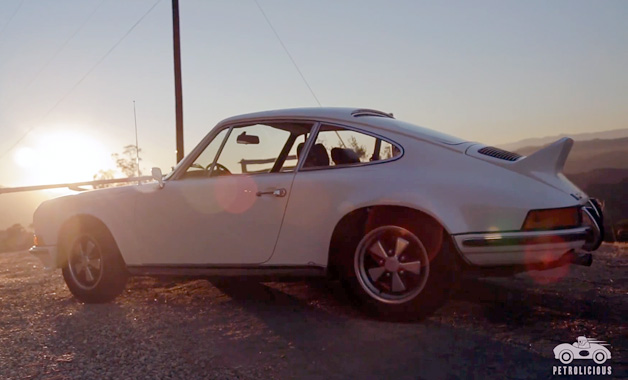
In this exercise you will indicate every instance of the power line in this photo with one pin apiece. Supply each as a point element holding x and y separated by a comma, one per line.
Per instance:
<point>6,25</point>
<point>56,53</point>
<point>81,80</point>
<point>288,53</point>
<point>295,64</point>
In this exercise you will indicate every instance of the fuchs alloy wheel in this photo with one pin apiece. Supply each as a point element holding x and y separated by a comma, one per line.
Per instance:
<point>85,262</point>
<point>94,270</point>
<point>391,264</point>
<point>402,268</point>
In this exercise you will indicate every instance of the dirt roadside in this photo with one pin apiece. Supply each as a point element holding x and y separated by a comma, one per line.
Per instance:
<point>492,328</point>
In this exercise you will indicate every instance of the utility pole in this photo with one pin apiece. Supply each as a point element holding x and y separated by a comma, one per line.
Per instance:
<point>178,91</point>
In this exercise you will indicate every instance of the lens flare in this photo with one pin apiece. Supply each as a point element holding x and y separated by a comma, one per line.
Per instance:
<point>539,259</point>
<point>236,194</point>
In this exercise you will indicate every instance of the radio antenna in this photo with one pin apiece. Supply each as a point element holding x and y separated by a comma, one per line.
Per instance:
<point>137,148</point>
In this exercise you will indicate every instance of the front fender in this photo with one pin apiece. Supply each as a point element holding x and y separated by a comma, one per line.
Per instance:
<point>113,207</point>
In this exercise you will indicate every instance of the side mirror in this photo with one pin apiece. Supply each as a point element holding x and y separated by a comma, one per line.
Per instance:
<point>243,138</point>
<point>157,176</point>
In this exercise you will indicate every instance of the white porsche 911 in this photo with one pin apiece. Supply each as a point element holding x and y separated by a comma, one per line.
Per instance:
<point>392,209</point>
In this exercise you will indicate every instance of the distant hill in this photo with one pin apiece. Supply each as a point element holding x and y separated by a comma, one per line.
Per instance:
<point>595,177</point>
<point>610,186</point>
<point>600,168</point>
<point>593,154</point>
<point>540,141</point>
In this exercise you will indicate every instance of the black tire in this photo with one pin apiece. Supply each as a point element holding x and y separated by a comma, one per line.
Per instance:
<point>426,288</point>
<point>94,270</point>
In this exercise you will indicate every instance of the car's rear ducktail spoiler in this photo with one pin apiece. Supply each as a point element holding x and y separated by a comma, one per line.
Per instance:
<point>545,165</point>
<point>549,160</point>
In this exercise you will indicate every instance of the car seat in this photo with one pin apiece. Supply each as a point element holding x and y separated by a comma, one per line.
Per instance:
<point>344,156</point>
<point>317,157</point>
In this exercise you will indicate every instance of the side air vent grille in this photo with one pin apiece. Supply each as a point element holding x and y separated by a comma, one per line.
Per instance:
<point>369,112</point>
<point>498,153</point>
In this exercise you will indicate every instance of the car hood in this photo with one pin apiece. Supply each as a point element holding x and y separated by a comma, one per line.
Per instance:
<point>110,192</point>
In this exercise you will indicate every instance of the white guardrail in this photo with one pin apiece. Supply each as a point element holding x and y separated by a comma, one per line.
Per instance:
<point>76,186</point>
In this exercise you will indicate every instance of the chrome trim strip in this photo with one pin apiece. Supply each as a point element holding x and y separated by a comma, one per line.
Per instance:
<point>496,239</point>
<point>502,241</point>
<point>594,207</point>
<point>596,235</point>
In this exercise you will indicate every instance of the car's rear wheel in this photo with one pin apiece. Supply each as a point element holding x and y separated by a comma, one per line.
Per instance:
<point>94,270</point>
<point>393,275</point>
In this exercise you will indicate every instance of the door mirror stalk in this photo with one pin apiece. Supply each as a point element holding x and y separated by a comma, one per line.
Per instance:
<point>157,176</point>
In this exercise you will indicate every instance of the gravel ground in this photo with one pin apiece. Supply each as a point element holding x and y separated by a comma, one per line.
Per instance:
<point>492,328</point>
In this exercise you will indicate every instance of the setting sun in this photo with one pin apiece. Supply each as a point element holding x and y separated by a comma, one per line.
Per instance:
<point>60,157</point>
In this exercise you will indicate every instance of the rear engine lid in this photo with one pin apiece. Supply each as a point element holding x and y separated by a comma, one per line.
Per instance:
<point>545,165</point>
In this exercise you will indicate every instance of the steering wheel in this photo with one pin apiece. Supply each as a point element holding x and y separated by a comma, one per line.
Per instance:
<point>219,169</point>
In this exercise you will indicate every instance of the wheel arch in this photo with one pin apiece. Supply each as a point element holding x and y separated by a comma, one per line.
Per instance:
<point>75,223</point>
<point>352,226</point>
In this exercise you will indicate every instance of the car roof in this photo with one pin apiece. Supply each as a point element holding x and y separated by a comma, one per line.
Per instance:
<point>340,113</point>
<point>375,118</point>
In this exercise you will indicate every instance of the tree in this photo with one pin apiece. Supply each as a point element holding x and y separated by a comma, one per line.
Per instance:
<point>359,149</point>
<point>388,152</point>
<point>104,174</point>
<point>15,238</point>
<point>128,161</point>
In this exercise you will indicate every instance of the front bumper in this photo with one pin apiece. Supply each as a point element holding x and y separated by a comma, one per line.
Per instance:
<point>46,254</point>
<point>533,248</point>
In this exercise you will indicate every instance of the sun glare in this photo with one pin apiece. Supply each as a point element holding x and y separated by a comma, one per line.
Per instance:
<point>61,157</point>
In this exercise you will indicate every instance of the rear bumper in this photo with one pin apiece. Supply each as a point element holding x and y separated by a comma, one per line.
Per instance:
<point>46,254</point>
<point>533,248</point>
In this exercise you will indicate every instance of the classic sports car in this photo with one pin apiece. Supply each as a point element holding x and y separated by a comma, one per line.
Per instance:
<point>582,349</point>
<point>392,209</point>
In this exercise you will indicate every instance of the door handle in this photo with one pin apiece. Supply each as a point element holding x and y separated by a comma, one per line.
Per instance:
<point>276,192</point>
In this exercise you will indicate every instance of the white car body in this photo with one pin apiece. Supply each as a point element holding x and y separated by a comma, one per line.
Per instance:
<point>195,226</point>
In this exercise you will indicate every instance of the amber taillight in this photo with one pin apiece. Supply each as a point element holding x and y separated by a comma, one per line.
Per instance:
<point>552,219</point>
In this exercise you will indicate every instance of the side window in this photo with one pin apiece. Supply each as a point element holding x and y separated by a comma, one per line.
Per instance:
<point>388,150</point>
<point>261,148</point>
<point>337,146</point>
<point>200,167</point>
<point>295,153</point>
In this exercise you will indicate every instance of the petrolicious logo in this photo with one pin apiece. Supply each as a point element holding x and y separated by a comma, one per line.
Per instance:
<point>584,350</point>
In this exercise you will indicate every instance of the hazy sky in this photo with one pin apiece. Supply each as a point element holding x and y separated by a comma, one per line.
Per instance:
<point>491,71</point>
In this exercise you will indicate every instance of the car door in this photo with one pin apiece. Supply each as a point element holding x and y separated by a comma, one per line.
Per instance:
<point>340,171</point>
<point>227,207</point>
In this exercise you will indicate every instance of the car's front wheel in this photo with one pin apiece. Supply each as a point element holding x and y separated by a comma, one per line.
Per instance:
<point>395,276</point>
<point>94,270</point>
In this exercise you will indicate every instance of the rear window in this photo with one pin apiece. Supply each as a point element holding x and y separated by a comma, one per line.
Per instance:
<point>415,129</point>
